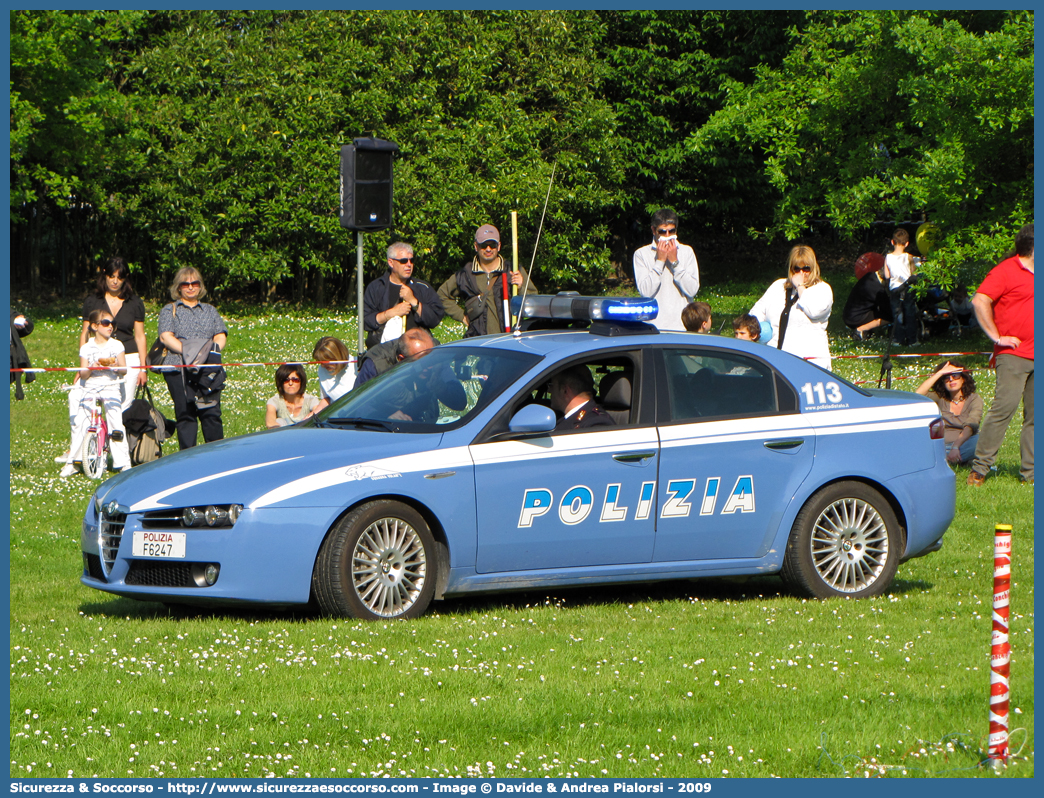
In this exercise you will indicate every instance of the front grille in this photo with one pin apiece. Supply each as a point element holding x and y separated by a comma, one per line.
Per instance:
<point>161,574</point>
<point>92,564</point>
<point>110,530</point>
<point>161,519</point>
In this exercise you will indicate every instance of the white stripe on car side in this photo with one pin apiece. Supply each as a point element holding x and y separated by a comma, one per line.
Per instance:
<point>612,441</point>
<point>388,468</point>
<point>153,501</point>
<point>830,418</point>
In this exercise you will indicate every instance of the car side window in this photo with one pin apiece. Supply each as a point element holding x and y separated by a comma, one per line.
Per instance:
<point>614,388</point>
<point>703,385</point>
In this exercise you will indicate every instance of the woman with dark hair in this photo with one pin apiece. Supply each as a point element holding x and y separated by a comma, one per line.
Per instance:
<point>798,308</point>
<point>960,406</point>
<point>115,294</point>
<point>290,404</point>
<point>186,320</point>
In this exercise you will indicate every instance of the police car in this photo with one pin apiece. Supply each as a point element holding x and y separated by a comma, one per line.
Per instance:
<point>446,476</point>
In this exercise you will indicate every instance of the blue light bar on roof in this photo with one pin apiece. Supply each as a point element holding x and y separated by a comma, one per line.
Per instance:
<point>572,306</point>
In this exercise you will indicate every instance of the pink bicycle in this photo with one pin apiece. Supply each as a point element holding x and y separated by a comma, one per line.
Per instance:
<point>95,452</point>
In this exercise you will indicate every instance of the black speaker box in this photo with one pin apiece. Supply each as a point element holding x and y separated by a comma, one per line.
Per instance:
<point>366,184</point>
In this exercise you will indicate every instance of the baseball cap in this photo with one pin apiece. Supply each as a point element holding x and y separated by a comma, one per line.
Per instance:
<point>486,233</point>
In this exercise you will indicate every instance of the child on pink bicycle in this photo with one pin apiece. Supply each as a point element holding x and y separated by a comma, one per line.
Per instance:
<point>100,383</point>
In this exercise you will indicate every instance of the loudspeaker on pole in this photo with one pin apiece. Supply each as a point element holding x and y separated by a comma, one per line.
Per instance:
<point>366,184</point>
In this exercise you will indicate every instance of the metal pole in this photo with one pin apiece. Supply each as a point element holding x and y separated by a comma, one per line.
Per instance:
<point>359,285</point>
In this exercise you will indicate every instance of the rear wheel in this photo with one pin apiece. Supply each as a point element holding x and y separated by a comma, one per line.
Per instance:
<point>846,541</point>
<point>93,456</point>
<point>379,562</point>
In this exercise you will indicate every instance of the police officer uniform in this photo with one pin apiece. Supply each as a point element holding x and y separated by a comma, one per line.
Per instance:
<point>590,414</point>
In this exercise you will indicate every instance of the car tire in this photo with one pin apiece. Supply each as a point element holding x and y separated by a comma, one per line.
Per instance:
<point>377,563</point>
<point>846,541</point>
<point>92,459</point>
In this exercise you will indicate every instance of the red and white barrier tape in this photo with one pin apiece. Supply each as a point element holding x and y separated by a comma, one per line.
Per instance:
<point>326,362</point>
<point>911,354</point>
<point>1000,649</point>
<point>183,366</point>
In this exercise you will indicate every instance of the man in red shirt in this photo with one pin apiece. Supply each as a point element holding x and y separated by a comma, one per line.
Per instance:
<point>1004,307</point>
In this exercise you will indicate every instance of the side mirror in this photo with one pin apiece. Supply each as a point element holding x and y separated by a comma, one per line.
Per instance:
<point>533,418</point>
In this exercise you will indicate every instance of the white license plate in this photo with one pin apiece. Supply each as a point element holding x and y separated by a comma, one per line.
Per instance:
<point>148,543</point>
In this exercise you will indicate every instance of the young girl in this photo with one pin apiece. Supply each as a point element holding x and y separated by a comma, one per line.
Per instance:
<point>101,350</point>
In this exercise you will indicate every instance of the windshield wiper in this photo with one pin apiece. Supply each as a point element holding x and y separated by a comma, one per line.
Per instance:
<point>371,423</point>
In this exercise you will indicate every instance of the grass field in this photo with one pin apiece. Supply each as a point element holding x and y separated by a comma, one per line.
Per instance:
<point>697,679</point>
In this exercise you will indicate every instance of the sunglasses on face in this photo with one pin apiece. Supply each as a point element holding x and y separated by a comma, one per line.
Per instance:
<point>105,323</point>
<point>667,231</point>
<point>292,379</point>
<point>403,261</point>
<point>189,284</point>
<point>805,269</point>
<point>955,375</point>
<point>489,244</point>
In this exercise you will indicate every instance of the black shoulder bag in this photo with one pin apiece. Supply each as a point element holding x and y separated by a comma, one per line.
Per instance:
<point>784,317</point>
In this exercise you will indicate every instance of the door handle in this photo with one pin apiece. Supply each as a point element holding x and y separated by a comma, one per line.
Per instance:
<point>633,457</point>
<point>782,446</point>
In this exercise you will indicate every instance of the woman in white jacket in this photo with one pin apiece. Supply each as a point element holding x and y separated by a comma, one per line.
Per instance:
<point>798,308</point>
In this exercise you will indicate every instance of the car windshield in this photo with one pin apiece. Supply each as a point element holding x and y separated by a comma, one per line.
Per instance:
<point>436,390</point>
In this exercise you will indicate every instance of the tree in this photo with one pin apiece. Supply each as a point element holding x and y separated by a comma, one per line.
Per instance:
<point>893,115</point>
<point>63,109</point>
<point>241,116</point>
<point>666,74</point>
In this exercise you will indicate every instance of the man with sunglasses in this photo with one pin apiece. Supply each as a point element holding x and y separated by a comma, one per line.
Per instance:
<point>396,302</point>
<point>480,283</point>
<point>667,271</point>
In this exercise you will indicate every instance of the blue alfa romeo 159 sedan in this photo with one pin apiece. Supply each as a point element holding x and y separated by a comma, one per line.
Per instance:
<point>445,476</point>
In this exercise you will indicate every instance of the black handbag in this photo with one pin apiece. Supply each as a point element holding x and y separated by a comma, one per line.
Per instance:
<point>146,427</point>
<point>156,355</point>
<point>158,352</point>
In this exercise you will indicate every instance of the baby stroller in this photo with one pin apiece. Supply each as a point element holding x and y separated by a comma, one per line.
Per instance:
<point>935,317</point>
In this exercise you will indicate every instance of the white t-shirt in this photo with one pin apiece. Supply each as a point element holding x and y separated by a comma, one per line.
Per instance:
<point>92,352</point>
<point>334,386</point>
<point>899,269</point>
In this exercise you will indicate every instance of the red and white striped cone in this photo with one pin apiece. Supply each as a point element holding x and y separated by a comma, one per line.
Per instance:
<point>1000,649</point>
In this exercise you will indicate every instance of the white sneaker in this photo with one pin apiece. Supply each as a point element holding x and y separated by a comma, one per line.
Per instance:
<point>68,470</point>
<point>62,457</point>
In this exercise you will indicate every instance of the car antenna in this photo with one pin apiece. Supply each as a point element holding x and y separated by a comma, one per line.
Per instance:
<point>518,323</point>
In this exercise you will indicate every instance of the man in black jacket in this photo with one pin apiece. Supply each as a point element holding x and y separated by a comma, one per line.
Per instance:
<point>396,302</point>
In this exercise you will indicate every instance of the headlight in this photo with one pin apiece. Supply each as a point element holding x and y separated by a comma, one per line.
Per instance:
<point>215,516</point>
<point>208,515</point>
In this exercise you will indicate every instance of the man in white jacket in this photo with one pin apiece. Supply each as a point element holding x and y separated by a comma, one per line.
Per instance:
<point>666,271</point>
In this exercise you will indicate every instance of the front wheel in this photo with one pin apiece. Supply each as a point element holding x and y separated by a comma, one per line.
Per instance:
<point>93,456</point>
<point>379,562</point>
<point>846,541</point>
